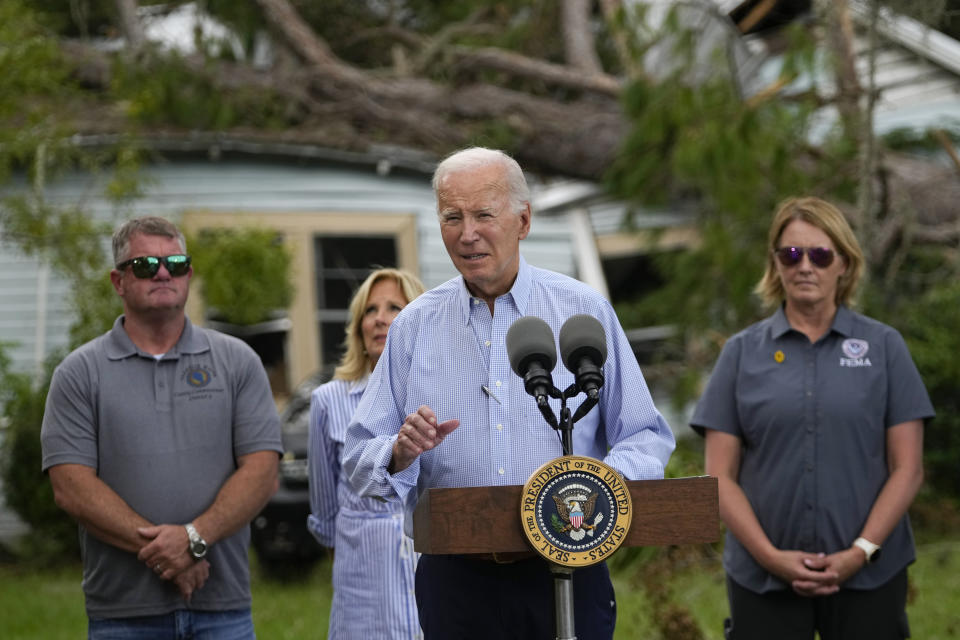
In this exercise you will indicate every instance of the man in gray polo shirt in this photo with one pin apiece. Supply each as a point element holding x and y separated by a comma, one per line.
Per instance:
<point>162,440</point>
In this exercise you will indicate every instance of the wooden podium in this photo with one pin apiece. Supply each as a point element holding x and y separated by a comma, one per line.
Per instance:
<point>665,512</point>
<point>460,521</point>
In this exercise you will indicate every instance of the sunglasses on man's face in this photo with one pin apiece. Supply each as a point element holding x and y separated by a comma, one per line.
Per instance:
<point>819,256</point>
<point>147,266</point>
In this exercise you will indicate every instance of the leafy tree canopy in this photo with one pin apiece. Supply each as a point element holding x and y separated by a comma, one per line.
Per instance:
<point>434,76</point>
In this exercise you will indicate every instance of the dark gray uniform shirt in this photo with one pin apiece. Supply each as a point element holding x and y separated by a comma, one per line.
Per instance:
<point>812,421</point>
<point>165,435</point>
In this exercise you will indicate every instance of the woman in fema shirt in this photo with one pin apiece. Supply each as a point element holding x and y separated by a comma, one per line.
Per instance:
<point>813,420</point>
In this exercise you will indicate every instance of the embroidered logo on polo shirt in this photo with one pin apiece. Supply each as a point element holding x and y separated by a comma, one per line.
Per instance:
<point>855,351</point>
<point>198,377</point>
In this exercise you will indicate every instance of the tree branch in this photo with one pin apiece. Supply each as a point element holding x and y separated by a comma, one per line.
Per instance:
<point>298,33</point>
<point>579,46</point>
<point>755,15</point>
<point>332,103</point>
<point>947,145</point>
<point>130,24</point>
<point>445,36</point>
<point>521,66</point>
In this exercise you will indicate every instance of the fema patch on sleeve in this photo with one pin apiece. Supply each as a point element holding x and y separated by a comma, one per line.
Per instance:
<point>575,511</point>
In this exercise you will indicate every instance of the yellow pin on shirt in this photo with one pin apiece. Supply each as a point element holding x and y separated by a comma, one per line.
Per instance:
<point>778,356</point>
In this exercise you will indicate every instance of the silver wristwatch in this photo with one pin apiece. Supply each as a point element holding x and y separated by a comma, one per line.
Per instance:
<point>198,546</point>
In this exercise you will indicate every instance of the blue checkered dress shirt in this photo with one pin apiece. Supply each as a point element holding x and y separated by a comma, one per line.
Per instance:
<point>445,346</point>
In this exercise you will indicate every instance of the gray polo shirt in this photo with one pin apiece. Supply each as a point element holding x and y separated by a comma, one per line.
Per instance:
<point>812,420</point>
<point>165,435</point>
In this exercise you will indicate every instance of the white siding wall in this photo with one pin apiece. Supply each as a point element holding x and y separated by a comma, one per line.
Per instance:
<point>235,186</point>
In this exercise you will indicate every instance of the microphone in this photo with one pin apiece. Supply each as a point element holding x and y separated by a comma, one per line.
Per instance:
<point>583,348</point>
<point>533,355</point>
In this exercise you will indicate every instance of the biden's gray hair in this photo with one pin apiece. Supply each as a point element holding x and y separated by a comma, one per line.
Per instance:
<point>477,157</point>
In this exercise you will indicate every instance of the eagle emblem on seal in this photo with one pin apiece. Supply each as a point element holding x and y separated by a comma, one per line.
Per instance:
<point>575,506</point>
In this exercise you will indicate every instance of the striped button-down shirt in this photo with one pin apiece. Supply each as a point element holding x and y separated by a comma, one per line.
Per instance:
<point>331,407</point>
<point>374,566</point>
<point>445,347</point>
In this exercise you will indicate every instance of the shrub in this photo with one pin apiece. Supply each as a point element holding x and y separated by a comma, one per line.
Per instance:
<point>929,325</point>
<point>26,488</point>
<point>244,274</point>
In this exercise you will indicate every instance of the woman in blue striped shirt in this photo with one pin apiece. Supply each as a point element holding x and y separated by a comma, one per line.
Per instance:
<point>374,565</point>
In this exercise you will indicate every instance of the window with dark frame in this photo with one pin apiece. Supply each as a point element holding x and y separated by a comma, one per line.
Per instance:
<point>341,264</point>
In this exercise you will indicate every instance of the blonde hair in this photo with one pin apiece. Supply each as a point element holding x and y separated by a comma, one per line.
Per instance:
<point>831,221</point>
<point>355,362</point>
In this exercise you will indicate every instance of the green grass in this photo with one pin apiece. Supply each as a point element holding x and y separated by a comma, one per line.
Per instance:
<point>933,606</point>
<point>297,609</point>
<point>48,604</point>
<point>934,610</point>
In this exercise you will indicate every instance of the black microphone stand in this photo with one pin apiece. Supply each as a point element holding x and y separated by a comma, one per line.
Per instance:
<point>567,419</point>
<point>563,576</point>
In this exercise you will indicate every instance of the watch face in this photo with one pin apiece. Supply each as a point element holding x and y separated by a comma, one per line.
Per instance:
<point>198,546</point>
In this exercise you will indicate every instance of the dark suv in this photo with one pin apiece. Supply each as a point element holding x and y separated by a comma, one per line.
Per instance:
<point>279,533</point>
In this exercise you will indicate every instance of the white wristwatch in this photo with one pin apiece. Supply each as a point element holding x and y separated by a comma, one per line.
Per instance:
<point>872,551</point>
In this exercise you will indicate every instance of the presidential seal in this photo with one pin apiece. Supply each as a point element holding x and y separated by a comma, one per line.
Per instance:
<point>575,511</point>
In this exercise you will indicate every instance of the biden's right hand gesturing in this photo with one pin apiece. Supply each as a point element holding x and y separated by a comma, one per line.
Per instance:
<point>420,432</point>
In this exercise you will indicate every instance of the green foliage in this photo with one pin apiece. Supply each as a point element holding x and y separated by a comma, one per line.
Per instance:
<point>929,324</point>
<point>921,299</point>
<point>687,458</point>
<point>38,99</point>
<point>74,18</point>
<point>166,91</point>
<point>26,489</point>
<point>73,244</point>
<point>244,18</point>
<point>244,274</point>
<point>36,94</point>
<point>732,161</point>
<point>370,34</point>
<point>498,134</point>
<point>910,139</point>
<point>34,87</point>
<point>736,160</point>
<point>29,57</point>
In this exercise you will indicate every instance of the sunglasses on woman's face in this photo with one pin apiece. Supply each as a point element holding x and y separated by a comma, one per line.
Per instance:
<point>147,266</point>
<point>819,256</point>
